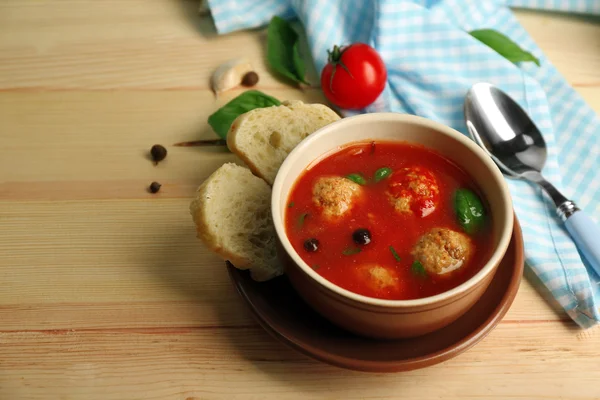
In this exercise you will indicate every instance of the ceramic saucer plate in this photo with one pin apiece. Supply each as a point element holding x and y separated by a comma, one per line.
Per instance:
<point>282,313</point>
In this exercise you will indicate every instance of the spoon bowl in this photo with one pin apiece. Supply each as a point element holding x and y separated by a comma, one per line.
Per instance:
<point>515,143</point>
<point>504,130</point>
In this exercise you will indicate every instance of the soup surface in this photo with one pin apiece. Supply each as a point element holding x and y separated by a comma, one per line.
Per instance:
<point>381,219</point>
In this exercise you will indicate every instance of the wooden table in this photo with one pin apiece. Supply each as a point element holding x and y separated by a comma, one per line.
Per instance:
<point>105,292</point>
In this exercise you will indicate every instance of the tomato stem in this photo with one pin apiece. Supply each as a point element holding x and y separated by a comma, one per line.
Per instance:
<point>334,57</point>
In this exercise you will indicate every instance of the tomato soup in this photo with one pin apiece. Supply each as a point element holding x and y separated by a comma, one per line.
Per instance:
<point>389,220</point>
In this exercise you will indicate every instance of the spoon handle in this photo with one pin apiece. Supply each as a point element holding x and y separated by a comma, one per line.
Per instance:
<point>586,235</point>
<point>584,231</point>
<point>557,197</point>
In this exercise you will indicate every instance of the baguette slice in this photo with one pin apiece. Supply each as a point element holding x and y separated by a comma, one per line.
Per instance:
<point>264,137</point>
<point>232,213</point>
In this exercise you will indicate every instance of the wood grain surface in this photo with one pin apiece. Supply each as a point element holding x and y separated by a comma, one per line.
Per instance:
<point>104,291</point>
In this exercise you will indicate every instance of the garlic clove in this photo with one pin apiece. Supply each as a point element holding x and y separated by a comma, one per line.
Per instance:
<point>229,75</point>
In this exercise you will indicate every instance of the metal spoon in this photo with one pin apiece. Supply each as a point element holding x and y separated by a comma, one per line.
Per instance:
<point>503,129</point>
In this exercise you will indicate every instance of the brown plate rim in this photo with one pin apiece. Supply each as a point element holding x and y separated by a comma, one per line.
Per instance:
<point>409,364</point>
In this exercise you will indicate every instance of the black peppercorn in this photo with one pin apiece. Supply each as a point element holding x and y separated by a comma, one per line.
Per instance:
<point>250,79</point>
<point>154,187</point>
<point>311,245</point>
<point>158,153</point>
<point>361,236</point>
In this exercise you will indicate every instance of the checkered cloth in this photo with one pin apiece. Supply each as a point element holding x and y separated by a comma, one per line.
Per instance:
<point>432,62</point>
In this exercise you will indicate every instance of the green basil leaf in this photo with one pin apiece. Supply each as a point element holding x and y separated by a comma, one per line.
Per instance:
<point>418,269</point>
<point>351,251</point>
<point>222,119</point>
<point>298,62</point>
<point>291,204</point>
<point>357,178</point>
<point>283,54</point>
<point>503,46</point>
<point>382,173</point>
<point>301,218</point>
<point>469,210</point>
<point>395,254</point>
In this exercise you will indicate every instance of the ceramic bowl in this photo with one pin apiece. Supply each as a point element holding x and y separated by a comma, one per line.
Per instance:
<point>379,318</point>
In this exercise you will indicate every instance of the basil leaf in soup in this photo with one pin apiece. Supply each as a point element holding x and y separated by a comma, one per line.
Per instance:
<point>351,251</point>
<point>469,211</point>
<point>382,173</point>
<point>418,269</point>
<point>395,254</point>
<point>357,178</point>
<point>301,219</point>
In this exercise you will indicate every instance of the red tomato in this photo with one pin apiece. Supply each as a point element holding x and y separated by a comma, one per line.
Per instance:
<point>354,76</point>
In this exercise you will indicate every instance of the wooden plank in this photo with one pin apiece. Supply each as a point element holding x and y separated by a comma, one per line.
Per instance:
<point>571,42</point>
<point>107,135</point>
<point>134,44</point>
<point>110,44</point>
<point>248,364</point>
<point>97,264</point>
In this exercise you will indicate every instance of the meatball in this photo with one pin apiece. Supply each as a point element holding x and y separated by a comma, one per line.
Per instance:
<point>335,195</point>
<point>442,250</point>
<point>378,278</point>
<point>413,190</point>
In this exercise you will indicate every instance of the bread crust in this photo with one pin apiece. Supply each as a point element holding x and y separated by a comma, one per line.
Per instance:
<point>260,270</point>
<point>199,208</point>
<point>231,144</point>
<point>238,124</point>
<point>203,230</point>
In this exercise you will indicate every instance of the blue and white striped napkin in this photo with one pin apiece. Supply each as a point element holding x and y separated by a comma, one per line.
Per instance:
<point>432,61</point>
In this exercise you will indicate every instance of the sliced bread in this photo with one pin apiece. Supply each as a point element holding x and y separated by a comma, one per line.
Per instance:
<point>232,213</point>
<point>264,137</point>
